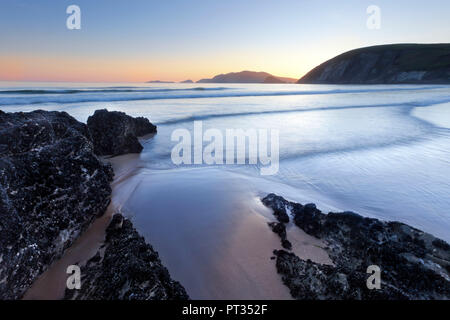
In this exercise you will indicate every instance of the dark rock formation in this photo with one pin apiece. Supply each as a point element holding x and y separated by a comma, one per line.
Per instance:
<point>279,211</point>
<point>278,206</point>
<point>115,133</point>
<point>280,229</point>
<point>414,264</point>
<point>126,268</point>
<point>386,64</point>
<point>52,186</point>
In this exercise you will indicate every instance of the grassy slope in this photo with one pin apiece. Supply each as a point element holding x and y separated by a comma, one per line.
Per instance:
<point>424,57</point>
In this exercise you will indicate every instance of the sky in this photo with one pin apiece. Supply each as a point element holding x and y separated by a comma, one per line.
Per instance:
<point>141,40</point>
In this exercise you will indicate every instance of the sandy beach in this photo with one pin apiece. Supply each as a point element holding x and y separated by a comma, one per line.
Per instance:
<point>211,234</point>
<point>222,252</point>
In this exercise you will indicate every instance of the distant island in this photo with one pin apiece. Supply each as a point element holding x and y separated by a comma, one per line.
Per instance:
<point>247,77</point>
<point>386,64</point>
<point>187,81</point>
<point>159,81</point>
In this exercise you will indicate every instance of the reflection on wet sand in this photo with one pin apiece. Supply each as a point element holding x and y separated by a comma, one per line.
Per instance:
<point>211,232</point>
<point>208,225</point>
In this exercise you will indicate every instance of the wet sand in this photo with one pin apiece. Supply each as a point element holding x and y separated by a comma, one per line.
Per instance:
<point>208,225</point>
<point>211,232</point>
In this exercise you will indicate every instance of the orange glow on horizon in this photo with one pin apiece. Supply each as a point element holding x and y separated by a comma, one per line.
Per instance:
<point>76,69</point>
<point>58,68</point>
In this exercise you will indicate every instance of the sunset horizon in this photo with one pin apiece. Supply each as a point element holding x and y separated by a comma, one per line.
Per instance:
<point>17,66</point>
<point>142,42</point>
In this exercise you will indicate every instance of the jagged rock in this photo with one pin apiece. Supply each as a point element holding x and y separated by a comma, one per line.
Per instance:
<point>285,243</point>
<point>126,268</point>
<point>278,206</point>
<point>280,229</point>
<point>306,217</point>
<point>52,186</point>
<point>115,133</point>
<point>414,264</point>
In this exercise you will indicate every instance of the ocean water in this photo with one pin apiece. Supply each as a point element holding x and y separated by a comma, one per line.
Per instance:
<point>379,150</point>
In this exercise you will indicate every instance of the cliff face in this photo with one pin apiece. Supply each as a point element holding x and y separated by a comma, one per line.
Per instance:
<point>386,64</point>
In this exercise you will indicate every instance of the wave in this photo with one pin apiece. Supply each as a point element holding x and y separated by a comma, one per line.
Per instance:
<point>103,90</point>
<point>106,95</point>
<point>408,105</point>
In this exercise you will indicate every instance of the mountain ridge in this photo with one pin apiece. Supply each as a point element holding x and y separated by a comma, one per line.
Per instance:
<point>247,77</point>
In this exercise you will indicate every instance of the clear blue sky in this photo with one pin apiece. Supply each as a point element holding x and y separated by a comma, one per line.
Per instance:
<point>139,40</point>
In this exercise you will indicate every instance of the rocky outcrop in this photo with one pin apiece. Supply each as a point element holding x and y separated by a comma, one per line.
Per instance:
<point>280,229</point>
<point>126,268</point>
<point>115,133</point>
<point>386,64</point>
<point>52,187</point>
<point>278,205</point>
<point>414,264</point>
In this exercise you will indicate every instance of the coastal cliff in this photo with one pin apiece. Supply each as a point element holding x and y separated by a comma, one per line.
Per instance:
<point>386,64</point>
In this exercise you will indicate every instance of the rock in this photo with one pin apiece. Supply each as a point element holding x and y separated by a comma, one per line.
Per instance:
<point>414,264</point>
<point>115,133</point>
<point>280,229</point>
<point>52,186</point>
<point>278,205</point>
<point>128,269</point>
<point>311,281</point>
<point>306,217</point>
<point>285,243</point>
